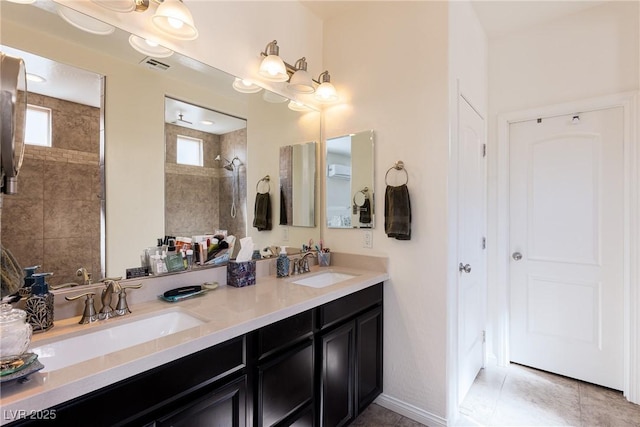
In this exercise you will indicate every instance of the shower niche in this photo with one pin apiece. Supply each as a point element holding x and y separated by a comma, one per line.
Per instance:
<point>205,175</point>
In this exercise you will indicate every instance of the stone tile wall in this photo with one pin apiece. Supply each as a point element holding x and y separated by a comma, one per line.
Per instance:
<point>198,199</point>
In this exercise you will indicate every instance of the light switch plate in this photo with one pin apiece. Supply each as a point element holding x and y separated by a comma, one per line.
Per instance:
<point>285,233</point>
<point>367,239</point>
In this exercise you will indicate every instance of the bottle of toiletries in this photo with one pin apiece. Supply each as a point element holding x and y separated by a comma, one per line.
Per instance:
<point>39,304</point>
<point>282,263</point>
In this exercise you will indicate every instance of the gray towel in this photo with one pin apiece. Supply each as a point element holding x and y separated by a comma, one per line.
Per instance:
<point>397,212</point>
<point>365,212</point>
<point>262,212</point>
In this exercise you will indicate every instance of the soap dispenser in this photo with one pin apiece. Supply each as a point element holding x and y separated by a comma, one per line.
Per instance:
<point>39,304</point>
<point>282,263</point>
<point>29,280</point>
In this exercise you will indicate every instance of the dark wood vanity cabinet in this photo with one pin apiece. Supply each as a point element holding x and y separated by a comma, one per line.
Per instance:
<point>351,356</point>
<point>321,367</point>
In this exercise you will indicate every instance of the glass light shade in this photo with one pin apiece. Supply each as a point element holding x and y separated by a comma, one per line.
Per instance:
<point>122,6</point>
<point>149,48</point>
<point>84,22</point>
<point>22,1</point>
<point>272,68</point>
<point>301,82</point>
<point>174,19</point>
<point>326,93</point>
<point>245,86</point>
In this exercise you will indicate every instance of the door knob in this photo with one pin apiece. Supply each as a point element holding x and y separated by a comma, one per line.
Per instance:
<point>516,256</point>
<point>464,267</point>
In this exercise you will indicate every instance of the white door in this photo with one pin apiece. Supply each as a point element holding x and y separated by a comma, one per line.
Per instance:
<point>566,240</point>
<point>471,247</point>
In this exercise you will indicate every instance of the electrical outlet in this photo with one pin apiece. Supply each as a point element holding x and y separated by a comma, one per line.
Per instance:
<point>285,234</point>
<point>367,239</point>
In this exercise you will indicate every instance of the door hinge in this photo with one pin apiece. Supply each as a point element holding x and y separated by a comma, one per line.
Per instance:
<point>484,150</point>
<point>484,336</point>
<point>484,243</point>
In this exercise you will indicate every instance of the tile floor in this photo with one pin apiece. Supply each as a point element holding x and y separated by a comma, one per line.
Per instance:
<point>521,396</point>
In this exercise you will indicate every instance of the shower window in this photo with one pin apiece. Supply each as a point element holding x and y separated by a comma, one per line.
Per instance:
<point>189,151</point>
<point>38,126</point>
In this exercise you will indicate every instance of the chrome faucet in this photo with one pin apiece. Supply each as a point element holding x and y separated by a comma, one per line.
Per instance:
<point>111,287</point>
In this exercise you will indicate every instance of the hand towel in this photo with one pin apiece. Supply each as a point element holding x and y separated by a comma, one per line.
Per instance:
<point>365,212</point>
<point>283,208</point>
<point>397,212</point>
<point>262,212</point>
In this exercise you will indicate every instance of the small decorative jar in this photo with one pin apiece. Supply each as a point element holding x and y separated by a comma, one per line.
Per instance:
<point>15,332</point>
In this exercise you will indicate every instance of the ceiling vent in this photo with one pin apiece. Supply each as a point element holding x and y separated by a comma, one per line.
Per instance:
<point>154,64</point>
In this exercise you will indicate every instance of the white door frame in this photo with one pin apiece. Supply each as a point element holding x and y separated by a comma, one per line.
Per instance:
<point>628,101</point>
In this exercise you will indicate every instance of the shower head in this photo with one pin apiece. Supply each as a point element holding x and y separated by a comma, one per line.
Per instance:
<point>230,163</point>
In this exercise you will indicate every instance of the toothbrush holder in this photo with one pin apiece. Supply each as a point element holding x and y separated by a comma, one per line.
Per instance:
<point>324,259</point>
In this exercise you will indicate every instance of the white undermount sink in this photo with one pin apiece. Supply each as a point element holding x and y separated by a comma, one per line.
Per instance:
<point>324,279</point>
<point>69,351</point>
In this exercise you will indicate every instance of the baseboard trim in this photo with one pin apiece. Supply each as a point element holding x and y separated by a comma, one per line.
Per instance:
<point>410,411</point>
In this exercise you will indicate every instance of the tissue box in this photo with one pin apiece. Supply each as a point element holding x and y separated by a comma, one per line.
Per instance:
<point>240,274</point>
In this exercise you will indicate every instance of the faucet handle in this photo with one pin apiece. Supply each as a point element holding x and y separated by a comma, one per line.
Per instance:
<point>89,315</point>
<point>122,307</point>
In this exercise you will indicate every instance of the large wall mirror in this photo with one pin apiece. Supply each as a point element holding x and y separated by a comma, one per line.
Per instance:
<point>349,181</point>
<point>135,90</point>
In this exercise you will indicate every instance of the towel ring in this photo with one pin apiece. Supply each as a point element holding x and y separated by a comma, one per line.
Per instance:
<point>265,179</point>
<point>399,166</point>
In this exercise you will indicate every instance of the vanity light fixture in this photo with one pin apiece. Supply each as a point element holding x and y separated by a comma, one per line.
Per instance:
<point>84,22</point>
<point>245,86</point>
<point>22,1</point>
<point>326,92</point>
<point>301,81</point>
<point>149,47</point>
<point>174,19</point>
<point>273,67</point>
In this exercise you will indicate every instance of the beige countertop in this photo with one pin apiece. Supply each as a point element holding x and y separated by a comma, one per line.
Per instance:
<point>228,312</point>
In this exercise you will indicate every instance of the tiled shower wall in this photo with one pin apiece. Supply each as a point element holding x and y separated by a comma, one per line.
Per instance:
<point>54,220</point>
<point>198,199</point>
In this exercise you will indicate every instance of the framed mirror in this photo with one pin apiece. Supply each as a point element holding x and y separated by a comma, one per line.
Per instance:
<point>298,185</point>
<point>350,194</point>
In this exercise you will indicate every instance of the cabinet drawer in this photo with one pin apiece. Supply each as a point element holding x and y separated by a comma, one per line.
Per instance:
<point>284,333</point>
<point>350,305</point>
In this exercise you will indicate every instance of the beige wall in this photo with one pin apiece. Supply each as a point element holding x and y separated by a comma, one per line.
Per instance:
<point>389,61</point>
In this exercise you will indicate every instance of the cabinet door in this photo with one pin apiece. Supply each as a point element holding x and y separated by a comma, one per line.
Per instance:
<point>222,407</point>
<point>338,376</point>
<point>285,385</point>
<point>369,357</point>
